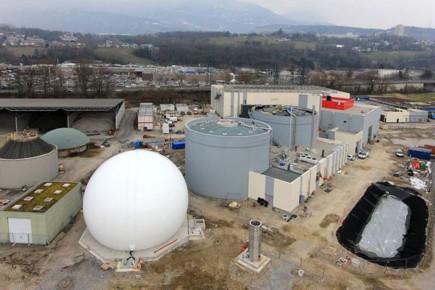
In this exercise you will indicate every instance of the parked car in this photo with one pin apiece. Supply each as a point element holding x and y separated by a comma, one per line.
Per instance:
<point>399,153</point>
<point>363,154</point>
<point>350,157</point>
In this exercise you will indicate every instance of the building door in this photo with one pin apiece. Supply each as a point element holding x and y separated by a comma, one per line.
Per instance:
<point>20,230</point>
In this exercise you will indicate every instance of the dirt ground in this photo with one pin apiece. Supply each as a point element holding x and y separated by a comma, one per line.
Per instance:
<point>306,243</point>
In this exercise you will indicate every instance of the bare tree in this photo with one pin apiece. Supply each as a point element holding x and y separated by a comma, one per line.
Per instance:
<point>44,74</point>
<point>84,75</point>
<point>25,80</point>
<point>101,81</point>
<point>58,83</point>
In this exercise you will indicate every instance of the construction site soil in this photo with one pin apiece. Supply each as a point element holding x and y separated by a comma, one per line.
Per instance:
<point>304,252</point>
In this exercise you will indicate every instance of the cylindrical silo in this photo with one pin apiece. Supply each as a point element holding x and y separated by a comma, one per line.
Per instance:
<point>26,160</point>
<point>221,152</point>
<point>291,125</point>
<point>254,240</point>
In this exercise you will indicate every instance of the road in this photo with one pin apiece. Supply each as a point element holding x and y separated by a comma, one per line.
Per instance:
<point>126,127</point>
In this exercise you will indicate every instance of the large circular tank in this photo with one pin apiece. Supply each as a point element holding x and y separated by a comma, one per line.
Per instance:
<point>135,200</point>
<point>26,159</point>
<point>221,152</point>
<point>68,140</point>
<point>291,125</point>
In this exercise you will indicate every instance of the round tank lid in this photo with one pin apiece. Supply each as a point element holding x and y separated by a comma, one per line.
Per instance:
<point>229,127</point>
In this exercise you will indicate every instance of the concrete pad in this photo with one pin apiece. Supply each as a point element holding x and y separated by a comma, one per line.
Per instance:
<point>244,262</point>
<point>105,254</point>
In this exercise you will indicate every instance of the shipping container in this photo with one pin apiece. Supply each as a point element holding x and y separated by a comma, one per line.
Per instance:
<point>420,153</point>
<point>178,145</point>
<point>431,147</point>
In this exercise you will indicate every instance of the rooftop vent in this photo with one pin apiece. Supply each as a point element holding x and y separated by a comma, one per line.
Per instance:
<point>38,191</point>
<point>28,198</point>
<point>38,208</point>
<point>48,199</point>
<point>48,184</point>
<point>17,206</point>
<point>57,191</point>
<point>66,185</point>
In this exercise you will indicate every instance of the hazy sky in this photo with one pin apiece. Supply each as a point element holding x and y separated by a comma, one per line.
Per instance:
<point>360,13</point>
<point>357,13</point>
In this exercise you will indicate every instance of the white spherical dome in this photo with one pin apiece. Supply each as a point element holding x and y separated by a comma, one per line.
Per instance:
<point>135,200</point>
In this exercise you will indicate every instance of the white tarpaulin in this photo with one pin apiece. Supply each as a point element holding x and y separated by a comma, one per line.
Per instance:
<point>383,235</point>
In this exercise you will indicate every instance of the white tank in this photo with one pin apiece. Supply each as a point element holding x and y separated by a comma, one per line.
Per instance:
<point>135,200</point>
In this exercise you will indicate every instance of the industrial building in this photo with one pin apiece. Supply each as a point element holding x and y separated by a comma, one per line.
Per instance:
<point>145,118</point>
<point>20,114</point>
<point>221,152</point>
<point>232,158</point>
<point>68,141</point>
<point>26,160</point>
<point>398,115</point>
<point>292,126</point>
<point>40,214</point>
<point>182,108</point>
<point>235,100</point>
<point>352,123</point>
<point>296,175</point>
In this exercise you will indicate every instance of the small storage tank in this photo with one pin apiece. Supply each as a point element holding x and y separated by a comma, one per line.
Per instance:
<point>291,125</point>
<point>26,159</point>
<point>221,152</point>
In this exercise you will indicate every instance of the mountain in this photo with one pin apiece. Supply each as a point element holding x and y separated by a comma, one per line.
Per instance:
<point>317,29</point>
<point>196,15</point>
<point>410,31</point>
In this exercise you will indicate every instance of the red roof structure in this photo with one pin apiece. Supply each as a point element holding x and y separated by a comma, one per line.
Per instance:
<point>337,103</point>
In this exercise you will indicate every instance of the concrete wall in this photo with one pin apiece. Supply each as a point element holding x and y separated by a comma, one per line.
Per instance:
<point>286,195</point>
<point>352,140</point>
<point>257,185</point>
<point>396,116</point>
<point>63,212</point>
<point>15,173</point>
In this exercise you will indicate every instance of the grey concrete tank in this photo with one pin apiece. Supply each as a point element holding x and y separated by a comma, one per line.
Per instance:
<point>221,152</point>
<point>291,125</point>
<point>25,161</point>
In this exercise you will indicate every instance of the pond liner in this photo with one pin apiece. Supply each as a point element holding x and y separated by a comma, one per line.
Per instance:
<point>412,249</point>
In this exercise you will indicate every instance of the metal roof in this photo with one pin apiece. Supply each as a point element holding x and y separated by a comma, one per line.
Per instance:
<point>56,104</point>
<point>25,149</point>
<point>281,174</point>
<point>229,127</point>
<point>66,138</point>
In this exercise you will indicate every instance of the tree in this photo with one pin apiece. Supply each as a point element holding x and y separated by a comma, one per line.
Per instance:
<point>101,81</point>
<point>84,73</point>
<point>427,75</point>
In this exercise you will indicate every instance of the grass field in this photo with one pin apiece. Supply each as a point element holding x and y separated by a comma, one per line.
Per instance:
<point>19,51</point>
<point>423,97</point>
<point>121,55</point>
<point>262,39</point>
